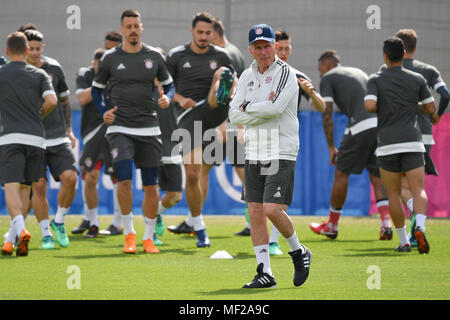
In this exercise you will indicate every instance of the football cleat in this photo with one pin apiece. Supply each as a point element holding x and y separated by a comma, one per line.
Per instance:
<point>302,263</point>
<point>130,243</point>
<point>261,280</point>
<point>243,232</point>
<point>385,234</point>
<point>202,239</point>
<point>160,226</point>
<point>92,233</point>
<point>7,248</point>
<point>149,246</point>
<point>422,243</point>
<point>82,227</point>
<point>157,240</point>
<point>404,248</point>
<point>225,84</point>
<point>182,228</point>
<point>274,249</point>
<point>60,233</point>
<point>112,230</point>
<point>48,243</point>
<point>324,229</point>
<point>22,246</point>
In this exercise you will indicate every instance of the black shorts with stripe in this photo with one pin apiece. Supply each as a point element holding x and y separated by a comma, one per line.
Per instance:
<point>58,158</point>
<point>96,149</point>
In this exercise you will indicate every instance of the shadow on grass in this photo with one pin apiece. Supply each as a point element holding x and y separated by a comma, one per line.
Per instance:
<point>340,241</point>
<point>242,291</point>
<point>374,252</point>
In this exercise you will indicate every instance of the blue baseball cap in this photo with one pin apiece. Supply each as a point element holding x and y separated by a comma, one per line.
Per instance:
<point>261,32</point>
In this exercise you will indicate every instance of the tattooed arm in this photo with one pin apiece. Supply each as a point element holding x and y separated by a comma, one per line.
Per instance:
<point>328,128</point>
<point>67,111</point>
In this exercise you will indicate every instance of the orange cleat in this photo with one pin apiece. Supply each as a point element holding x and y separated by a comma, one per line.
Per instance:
<point>22,247</point>
<point>130,243</point>
<point>149,246</point>
<point>385,234</point>
<point>7,248</point>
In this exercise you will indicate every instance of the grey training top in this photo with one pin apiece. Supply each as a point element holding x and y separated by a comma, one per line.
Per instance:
<point>346,87</point>
<point>237,59</point>
<point>397,92</point>
<point>55,123</point>
<point>22,89</point>
<point>130,79</point>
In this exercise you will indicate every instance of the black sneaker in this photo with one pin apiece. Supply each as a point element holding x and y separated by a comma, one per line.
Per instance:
<point>261,280</point>
<point>404,248</point>
<point>112,230</point>
<point>182,228</point>
<point>302,262</point>
<point>422,243</point>
<point>92,233</point>
<point>244,232</point>
<point>82,227</point>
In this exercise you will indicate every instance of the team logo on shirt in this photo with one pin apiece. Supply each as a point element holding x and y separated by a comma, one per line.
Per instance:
<point>148,63</point>
<point>268,79</point>
<point>251,84</point>
<point>88,162</point>
<point>213,64</point>
<point>114,152</point>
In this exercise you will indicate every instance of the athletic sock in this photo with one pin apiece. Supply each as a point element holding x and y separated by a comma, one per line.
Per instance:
<point>198,223</point>
<point>189,221</point>
<point>19,224</point>
<point>161,208</point>
<point>274,234</point>
<point>117,219</point>
<point>383,209</point>
<point>86,215</point>
<point>149,228</point>
<point>294,244</point>
<point>93,217</point>
<point>128,223</point>
<point>420,221</point>
<point>335,214</point>
<point>262,256</point>
<point>402,235</point>
<point>45,230</point>
<point>11,233</point>
<point>60,214</point>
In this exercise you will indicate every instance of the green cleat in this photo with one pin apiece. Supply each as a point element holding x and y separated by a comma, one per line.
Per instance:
<point>157,241</point>
<point>48,243</point>
<point>60,233</point>
<point>159,227</point>
<point>274,249</point>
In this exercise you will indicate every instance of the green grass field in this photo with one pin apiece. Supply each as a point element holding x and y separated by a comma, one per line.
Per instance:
<point>183,272</point>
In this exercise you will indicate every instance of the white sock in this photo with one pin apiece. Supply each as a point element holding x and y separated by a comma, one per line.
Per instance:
<point>93,217</point>
<point>161,208</point>
<point>86,215</point>
<point>274,234</point>
<point>45,230</point>
<point>402,235</point>
<point>247,225</point>
<point>262,256</point>
<point>117,219</point>
<point>60,214</point>
<point>19,225</point>
<point>410,204</point>
<point>420,221</point>
<point>294,244</point>
<point>198,223</point>
<point>189,221</point>
<point>149,228</point>
<point>11,233</point>
<point>128,223</point>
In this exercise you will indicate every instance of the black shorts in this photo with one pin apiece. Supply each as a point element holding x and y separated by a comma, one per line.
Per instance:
<point>275,187</point>
<point>197,120</point>
<point>401,162</point>
<point>59,159</point>
<point>232,149</point>
<point>430,168</point>
<point>145,151</point>
<point>357,152</point>
<point>170,177</point>
<point>20,163</point>
<point>96,149</point>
